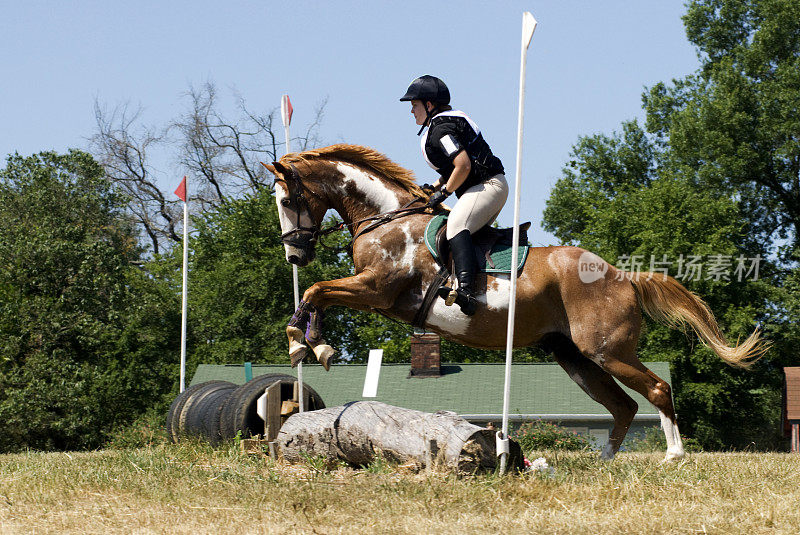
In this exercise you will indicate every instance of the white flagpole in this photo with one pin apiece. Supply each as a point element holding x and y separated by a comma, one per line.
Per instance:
<point>184,304</point>
<point>295,277</point>
<point>528,27</point>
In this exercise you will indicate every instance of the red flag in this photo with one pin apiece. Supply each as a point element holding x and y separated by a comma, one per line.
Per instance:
<point>286,110</point>
<point>181,191</point>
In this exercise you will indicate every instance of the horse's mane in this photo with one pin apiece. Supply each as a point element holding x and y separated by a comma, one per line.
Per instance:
<point>362,156</point>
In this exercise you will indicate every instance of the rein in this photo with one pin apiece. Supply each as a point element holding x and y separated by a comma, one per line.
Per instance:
<point>314,233</point>
<point>377,220</point>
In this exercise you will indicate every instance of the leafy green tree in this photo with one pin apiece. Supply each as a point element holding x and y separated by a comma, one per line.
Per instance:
<point>734,123</point>
<point>82,338</point>
<point>241,287</point>
<point>714,175</point>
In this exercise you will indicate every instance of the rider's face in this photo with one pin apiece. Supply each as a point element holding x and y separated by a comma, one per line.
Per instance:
<point>418,111</point>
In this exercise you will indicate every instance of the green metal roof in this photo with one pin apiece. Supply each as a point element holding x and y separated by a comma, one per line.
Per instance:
<point>467,389</point>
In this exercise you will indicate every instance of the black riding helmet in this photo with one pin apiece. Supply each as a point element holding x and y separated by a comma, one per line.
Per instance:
<point>427,88</point>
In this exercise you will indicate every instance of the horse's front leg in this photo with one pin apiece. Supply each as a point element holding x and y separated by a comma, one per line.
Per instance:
<point>294,332</point>
<point>361,292</point>
<point>319,346</point>
<point>307,317</point>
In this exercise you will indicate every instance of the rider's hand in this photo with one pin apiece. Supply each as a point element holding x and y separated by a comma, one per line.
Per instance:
<point>428,189</point>
<point>437,198</point>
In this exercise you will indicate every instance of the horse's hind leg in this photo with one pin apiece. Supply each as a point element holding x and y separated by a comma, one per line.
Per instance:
<point>602,388</point>
<point>607,333</point>
<point>636,376</point>
<point>619,359</point>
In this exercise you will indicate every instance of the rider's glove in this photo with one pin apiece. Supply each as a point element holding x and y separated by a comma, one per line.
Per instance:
<point>437,198</point>
<point>428,189</point>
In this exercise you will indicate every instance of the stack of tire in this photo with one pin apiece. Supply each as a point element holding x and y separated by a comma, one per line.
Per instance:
<point>220,410</point>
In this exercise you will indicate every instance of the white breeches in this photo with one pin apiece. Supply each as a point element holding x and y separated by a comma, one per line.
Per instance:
<point>478,206</point>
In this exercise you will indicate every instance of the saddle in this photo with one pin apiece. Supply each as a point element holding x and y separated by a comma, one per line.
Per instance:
<point>492,246</point>
<point>493,251</point>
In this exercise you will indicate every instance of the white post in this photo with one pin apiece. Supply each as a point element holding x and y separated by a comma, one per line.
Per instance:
<point>528,27</point>
<point>286,117</point>
<point>373,373</point>
<point>184,304</point>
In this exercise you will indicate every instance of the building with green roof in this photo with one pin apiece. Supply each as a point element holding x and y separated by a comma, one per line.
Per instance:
<point>474,391</point>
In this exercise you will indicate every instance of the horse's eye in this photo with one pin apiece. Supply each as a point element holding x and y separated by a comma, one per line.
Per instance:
<point>286,202</point>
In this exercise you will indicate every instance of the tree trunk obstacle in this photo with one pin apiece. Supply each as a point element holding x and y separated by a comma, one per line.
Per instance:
<point>359,432</point>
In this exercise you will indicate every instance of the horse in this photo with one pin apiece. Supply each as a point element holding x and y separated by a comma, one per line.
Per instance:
<point>590,320</point>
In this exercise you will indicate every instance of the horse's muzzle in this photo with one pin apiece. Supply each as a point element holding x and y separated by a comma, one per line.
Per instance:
<point>300,257</point>
<point>300,244</point>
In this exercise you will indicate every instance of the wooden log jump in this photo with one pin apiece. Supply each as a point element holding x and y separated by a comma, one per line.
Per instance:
<point>360,431</point>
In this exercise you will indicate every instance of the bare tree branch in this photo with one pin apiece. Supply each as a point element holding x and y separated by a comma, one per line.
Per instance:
<point>123,154</point>
<point>221,155</point>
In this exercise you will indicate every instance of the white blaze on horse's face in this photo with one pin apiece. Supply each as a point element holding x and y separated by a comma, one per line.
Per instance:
<point>287,215</point>
<point>375,192</point>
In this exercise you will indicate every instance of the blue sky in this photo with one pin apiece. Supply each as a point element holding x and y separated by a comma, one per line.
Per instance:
<point>587,67</point>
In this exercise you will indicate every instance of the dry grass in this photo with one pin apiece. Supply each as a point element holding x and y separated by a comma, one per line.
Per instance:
<point>193,489</point>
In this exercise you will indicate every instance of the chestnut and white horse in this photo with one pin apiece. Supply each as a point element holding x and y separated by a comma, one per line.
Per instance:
<point>590,320</point>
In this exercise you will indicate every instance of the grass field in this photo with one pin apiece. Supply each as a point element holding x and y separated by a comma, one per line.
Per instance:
<point>194,489</point>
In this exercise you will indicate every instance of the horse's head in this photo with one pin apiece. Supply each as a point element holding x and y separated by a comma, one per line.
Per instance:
<point>356,181</point>
<point>300,213</point>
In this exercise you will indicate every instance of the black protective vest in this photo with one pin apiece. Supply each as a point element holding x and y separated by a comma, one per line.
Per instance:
<point>447,134</point>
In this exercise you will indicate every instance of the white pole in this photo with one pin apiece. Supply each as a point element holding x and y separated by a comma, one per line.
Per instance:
<point>184,300</point>
<point>286,117</point>
<point>528,27</point>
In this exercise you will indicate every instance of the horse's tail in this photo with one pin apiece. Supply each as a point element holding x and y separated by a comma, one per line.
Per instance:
<point>665,300</point>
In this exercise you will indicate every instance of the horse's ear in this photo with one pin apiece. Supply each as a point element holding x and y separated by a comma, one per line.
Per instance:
<point>280,168</point>
<point>272,168</point>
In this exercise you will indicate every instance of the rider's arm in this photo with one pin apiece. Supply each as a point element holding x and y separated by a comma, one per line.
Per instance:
<point>461,169</point>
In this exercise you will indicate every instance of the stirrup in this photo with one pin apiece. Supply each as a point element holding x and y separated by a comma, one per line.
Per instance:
<point>468,304</point>
<point>451,297</point>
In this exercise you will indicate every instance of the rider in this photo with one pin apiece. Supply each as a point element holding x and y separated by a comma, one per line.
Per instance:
<point>454,147</point>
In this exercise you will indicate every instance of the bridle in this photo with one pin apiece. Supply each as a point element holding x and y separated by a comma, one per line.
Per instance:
<point>300,236</point>
<point>307,237</point>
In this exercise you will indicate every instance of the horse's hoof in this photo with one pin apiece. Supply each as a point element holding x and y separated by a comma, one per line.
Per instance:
<point>608,453</point>
<point>294,334</point>
<point>673,456</point>
<point>326,363</point>
<point>324,354</point>
<point>297,354</point>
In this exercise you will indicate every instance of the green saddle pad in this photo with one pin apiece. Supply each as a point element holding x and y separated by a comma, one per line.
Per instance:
<point>500,253</point>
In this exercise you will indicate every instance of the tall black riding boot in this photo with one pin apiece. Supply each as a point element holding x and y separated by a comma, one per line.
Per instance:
<point>466,265</point>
